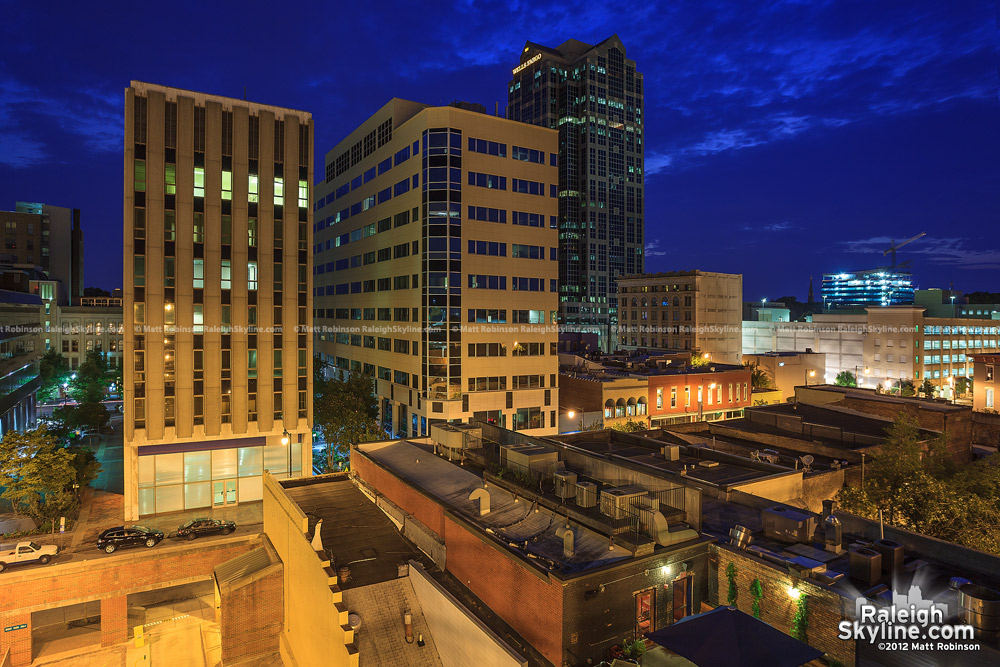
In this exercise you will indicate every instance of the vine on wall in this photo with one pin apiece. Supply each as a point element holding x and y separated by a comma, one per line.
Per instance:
<point>800,622</point>
<point>758,593</point>
<point>733,591</point>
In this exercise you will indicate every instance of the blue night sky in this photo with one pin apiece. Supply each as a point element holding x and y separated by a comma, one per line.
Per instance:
<point>783,139</point>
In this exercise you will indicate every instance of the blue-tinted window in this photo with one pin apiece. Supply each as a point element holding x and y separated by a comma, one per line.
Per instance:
<point>553,159</point>
<point>527,154</point>
<point>488,181</point>
<point>356,183</point>
<point>487,214</point>
<point>384,166</point>
<point>370,174</point>
<point>527,219</point>
<point>384,195</point>
<point>401,187</point>
<point>401,156</point>
<point>487,147</point>
<point>492,248</point>
<point>527,187</point>
<point>487,282</point>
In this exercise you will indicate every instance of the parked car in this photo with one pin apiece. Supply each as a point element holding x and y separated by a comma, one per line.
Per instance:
<point>113,539</point>
<point>205,526</point>
<point>26,552</point>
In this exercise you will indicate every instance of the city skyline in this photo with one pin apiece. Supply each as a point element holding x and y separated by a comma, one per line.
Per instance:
<point>806,138</point>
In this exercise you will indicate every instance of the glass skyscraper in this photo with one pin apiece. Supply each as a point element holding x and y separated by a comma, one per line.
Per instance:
<point>593,95</point>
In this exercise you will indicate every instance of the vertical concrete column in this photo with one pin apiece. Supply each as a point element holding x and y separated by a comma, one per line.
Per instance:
<point>114,620</point>
<point>17,640</point>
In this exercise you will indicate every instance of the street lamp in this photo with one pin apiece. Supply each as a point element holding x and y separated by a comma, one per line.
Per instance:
<point>857,375</point>
<point>812,374</point>
<point>285,437</point>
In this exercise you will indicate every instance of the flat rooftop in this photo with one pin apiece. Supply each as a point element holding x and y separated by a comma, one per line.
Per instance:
<point>850,421</point>
<point>725,473</point>
<point>532,534</point>
<point>355,531</point>
<point>933,404</point>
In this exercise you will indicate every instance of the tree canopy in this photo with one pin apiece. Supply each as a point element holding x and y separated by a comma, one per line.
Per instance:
<point>918,488</point>
<point>345,411</point>
<point>846,379</point>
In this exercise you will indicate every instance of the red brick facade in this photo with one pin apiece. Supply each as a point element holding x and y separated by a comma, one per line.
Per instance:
<point>680,393</point>
<point>825,608</point>
<point>529,604</point>
<point>252,616</point>
<point>108,579</point>
<point>18,641</point>
<point>114,620</point>
<point>426,511</point>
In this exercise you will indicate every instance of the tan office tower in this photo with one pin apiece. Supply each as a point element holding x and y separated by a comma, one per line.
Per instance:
<point>218,358</point>
<point>436,266</point>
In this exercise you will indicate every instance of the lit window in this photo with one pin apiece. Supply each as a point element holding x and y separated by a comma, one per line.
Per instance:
<point>199,318</point>
<point>252,363</point>
<point>303,194</point>
<point>252,232</point>
<point>199,273</point>
<point>279,191</point>
<point>254,188</point>
<point>251,275</point>
<point>227,274</point>
<point>140,175</point>
<point>199,227</point>
<point>227,184</point>
<point>170,178</point>
<point>199,181</point>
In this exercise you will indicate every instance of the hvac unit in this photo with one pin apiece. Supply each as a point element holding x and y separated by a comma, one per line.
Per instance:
<point>892,556</point>
<point>565,482</point>
<point>671,452</point>
<point>614,502</point>
<point>787,524</point>
<point>866,565</point>
<point>586,494</point>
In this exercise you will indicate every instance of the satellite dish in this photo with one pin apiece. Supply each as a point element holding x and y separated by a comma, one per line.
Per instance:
<point>807,461</point>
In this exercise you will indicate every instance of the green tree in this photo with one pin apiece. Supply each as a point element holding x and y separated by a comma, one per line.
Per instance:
<point>345,411</point>
<point>53,369</point>
<point>963,386</point>
<point>35,468</point>
<point>904,388</point>
<point>759,378</point>
<point>630,426</point>
<point>927,389</point>
<point>91,383</point>
<point>846,379</point>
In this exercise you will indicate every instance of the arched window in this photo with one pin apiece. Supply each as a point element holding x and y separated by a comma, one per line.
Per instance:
<point>640,408</point>
<point>609,409</point>
<point>620,408</point>
<point>630,407</point>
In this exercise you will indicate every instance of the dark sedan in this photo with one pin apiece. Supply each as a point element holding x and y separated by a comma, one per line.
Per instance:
<point>204,526</point>
<point>113,539</point>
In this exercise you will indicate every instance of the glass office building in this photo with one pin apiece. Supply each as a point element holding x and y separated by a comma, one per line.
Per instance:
<point>876,287</point>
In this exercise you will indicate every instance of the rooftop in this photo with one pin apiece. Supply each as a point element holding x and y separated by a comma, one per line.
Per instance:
<point>531,534</point>
<point>935,404</point>
<point>355,531</point>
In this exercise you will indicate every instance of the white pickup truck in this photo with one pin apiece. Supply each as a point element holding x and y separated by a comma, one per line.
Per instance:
<point>26,552</point>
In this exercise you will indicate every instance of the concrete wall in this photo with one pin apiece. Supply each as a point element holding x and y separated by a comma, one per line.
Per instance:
<point>826,609</point>
<point>461,638</point>
<point>315,630</point>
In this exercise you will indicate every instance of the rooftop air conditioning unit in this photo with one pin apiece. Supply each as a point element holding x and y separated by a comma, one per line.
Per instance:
<point>565,482</point>
<point>615,502</point>
<point>586,494</point>
<point>671,452</point>
<point>787,524</point>
<point>865,565</point>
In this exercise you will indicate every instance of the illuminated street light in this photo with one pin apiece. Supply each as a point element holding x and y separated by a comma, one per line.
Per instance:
<point>285,437</point>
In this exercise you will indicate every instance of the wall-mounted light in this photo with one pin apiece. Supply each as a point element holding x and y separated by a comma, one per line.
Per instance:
<point>665,570</point>
<point>793,592</point>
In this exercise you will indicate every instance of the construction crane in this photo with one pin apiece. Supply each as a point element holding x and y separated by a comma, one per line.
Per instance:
<point>893,247</point>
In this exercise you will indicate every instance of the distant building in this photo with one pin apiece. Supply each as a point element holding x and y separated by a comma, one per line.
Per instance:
<point>436,266</point>
<point>48,237</point>
<point>697,311</point>
<point>883,345</point>
<point>217,298</point>
<point>875,287</point>
<point>986,382</point>
<point>953,303</point>
<point>21,347</point>
<point>655,390</point>
<point>593,95</point>
<point>95,323</point>
<point>787,370</point>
